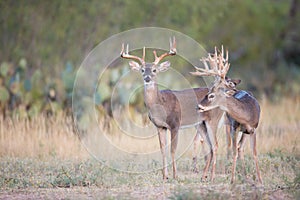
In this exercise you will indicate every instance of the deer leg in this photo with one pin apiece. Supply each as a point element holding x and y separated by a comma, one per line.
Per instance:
<point>197,140</point>
<point>211,131</point>
<point>228,140</point>
<point>162,142</point>
<point>241,151</point>
<point>207,164</point>
<point>208,157</point>
<point>235,155</point>
<point>195,152</point>
<point>253,146</point>
<point>174,142</point>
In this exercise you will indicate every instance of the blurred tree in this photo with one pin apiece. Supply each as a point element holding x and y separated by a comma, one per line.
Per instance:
<point>291,35</point>
<point>40,40</point>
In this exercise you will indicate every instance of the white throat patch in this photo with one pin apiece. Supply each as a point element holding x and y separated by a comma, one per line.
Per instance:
<point>149,85</point>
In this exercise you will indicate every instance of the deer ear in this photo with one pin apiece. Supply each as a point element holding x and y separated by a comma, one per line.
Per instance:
<point>134,65</point>
<point>236,81</point>
<point>232,82</point>
<point>164,66</point>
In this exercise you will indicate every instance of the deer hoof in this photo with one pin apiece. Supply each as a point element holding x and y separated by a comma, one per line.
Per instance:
<point>204,179</point>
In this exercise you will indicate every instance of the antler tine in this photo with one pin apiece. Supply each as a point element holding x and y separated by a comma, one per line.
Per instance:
<point>227,56</point>
<point>206,71</point>
<point>171,52</point>
<point>173,46</point>
<point>128,56</point>
<point>197,73</point>
<point>224,60</point>
<point>216,52</point>
<point>144,53</point>
<point>224,64</point>
<point>222,51</point>
<point>213,61</point>
<point>205,63</point>
<point>221,60</point>
<point>218,65</point>
<point>203,72</point>
<point>122,49</point>
<point>155,55</point>
<point>227,65</point>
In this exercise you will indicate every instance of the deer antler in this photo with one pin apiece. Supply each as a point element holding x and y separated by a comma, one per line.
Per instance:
<point>218,65</point>
<point>128,56</point>
<point>171,52</point>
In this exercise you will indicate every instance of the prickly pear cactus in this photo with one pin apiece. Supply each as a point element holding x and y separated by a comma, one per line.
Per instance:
<point>23,63</point>
<point>4,94</point>
<point>68,77</point>
<point>4,68</point>
<point>36,87</point>
<point>27,85</point>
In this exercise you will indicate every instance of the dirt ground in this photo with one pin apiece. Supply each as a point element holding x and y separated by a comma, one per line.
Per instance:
<point>164,192</point>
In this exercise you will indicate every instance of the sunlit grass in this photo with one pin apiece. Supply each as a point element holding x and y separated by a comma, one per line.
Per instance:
<point>42,137</point>
<point>279,126</point>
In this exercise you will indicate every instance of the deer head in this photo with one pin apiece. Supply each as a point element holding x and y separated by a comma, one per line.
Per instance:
<point>216,98</point>
<point>217,65</point>
<point>149,71</point>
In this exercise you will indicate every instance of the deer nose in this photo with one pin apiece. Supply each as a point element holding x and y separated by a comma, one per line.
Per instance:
<point>200,108</point>
<point>147,79</point>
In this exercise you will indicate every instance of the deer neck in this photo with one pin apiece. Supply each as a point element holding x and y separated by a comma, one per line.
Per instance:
<point>244,112</point>
<point>233,108</point>
<point>151,94</point>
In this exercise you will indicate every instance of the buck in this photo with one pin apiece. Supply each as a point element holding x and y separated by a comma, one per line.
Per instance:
<point>172,110</point>
<point>242,109</point>
<point>214,64</point>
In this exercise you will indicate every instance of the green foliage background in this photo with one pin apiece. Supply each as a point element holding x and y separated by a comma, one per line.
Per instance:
<point>45,41</point>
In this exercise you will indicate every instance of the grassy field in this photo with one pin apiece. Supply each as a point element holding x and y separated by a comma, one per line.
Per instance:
<point>43,159</point>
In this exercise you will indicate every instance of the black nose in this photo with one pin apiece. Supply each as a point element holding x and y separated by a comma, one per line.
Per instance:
<point>147,79</point>
<point>199,108</point>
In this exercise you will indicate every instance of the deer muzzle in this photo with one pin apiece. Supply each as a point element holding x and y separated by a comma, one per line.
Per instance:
<point>200,108</point>
<point>147,79</point>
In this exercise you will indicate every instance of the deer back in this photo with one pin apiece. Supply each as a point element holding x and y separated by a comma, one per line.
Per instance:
<point>244,108</point>
<point>185,105</point>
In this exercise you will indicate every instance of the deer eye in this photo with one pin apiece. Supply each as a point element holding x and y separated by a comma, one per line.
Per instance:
<point>211,96</point>
<point>142,70</point>
<point>154,70</point>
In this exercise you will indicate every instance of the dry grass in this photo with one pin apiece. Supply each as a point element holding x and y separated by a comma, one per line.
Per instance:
<point>279,126</point>
<point>66,169</point>
<point>42,137</point>
<point>39,137</point>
